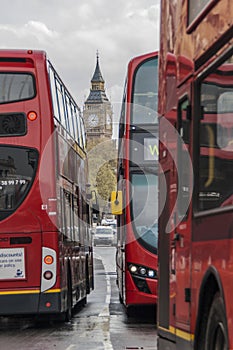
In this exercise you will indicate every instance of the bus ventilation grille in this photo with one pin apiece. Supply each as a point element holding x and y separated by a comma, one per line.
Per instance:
<point>12,124</point>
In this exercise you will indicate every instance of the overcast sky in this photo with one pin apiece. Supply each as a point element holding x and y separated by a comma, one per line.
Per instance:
<point>71,31</point>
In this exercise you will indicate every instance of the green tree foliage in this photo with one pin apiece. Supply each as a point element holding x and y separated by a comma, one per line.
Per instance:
<point>102,167</point>
<point>105,181</point>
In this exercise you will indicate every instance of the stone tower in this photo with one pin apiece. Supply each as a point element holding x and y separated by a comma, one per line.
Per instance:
<point>97,111</point>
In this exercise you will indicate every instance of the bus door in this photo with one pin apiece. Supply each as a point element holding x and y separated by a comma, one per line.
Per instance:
<point>120,244</point>
<point>180,246</point>
<point>121,248</point>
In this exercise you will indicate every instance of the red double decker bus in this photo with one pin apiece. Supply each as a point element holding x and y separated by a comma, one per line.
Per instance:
<point>46,260</point>
<point>196,159</point>
<point>136,254</point>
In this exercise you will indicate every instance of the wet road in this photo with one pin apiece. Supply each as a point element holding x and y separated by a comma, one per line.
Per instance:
<point>101,325</point>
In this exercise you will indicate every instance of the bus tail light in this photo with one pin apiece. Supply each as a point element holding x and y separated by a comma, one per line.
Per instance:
<point>49,268</point>
<point>48,259</point>
<point>32,116</point>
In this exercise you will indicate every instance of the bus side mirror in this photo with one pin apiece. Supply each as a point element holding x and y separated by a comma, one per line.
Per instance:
<point>116,202</point>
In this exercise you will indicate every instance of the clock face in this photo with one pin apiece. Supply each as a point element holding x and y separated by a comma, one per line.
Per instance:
<point>93,120</point>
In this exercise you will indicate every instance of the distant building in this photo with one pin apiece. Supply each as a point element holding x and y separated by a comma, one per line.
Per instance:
<point>98,112</point>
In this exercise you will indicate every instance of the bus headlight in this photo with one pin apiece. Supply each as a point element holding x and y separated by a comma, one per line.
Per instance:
<point>133,268</point>
<point>142,271</point>
<point>151,273</point>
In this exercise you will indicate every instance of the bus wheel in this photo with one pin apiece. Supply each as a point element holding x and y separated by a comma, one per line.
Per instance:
<point>68,312</point>
<point>120,299</point>
<point>84,301</point>
<point>130,310</point>
<point>87,278</point>
<point>216,331</point>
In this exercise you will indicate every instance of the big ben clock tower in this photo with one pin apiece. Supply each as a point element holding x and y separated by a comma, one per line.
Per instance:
<point>97,111</point>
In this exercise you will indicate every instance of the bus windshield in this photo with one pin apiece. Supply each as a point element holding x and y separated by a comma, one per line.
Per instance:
<point>17,170</point>
<point>144,209</point>
<point>145,92</point>
<point>16,87</point>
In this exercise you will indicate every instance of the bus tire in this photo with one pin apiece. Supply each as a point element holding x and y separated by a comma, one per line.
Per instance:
<point>68,312</point>
<point>120,299</point>
<point>84,301</point>
<point>216,330</point>
<point>87,278</point>
<point>130,310</point>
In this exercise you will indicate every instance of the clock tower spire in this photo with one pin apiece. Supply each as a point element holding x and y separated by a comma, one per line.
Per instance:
<point>97,111</point>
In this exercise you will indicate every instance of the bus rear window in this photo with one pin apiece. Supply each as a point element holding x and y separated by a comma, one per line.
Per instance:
<point>16,87</point>
<point>17,171</point>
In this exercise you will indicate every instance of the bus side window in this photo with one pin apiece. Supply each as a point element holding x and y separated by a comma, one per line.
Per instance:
<point>83,133</point>
<point>184,170</point>
<point>70,116</point>
<point>54,94</point>
<point>215,180</point>
<point>62,211</point>
<point>67,213</point>
<point>61,106</point>
<point>76,220</point>
<point>74,121</point>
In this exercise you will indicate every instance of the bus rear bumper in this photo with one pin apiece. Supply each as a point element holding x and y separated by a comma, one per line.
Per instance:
<point>25,303</point>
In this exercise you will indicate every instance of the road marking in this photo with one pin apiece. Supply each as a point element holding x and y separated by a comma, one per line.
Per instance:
<point>106,312</point>
<point>70,347</point>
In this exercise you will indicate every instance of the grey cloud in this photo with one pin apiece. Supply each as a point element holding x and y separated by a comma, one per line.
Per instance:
<point>71,31</point>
